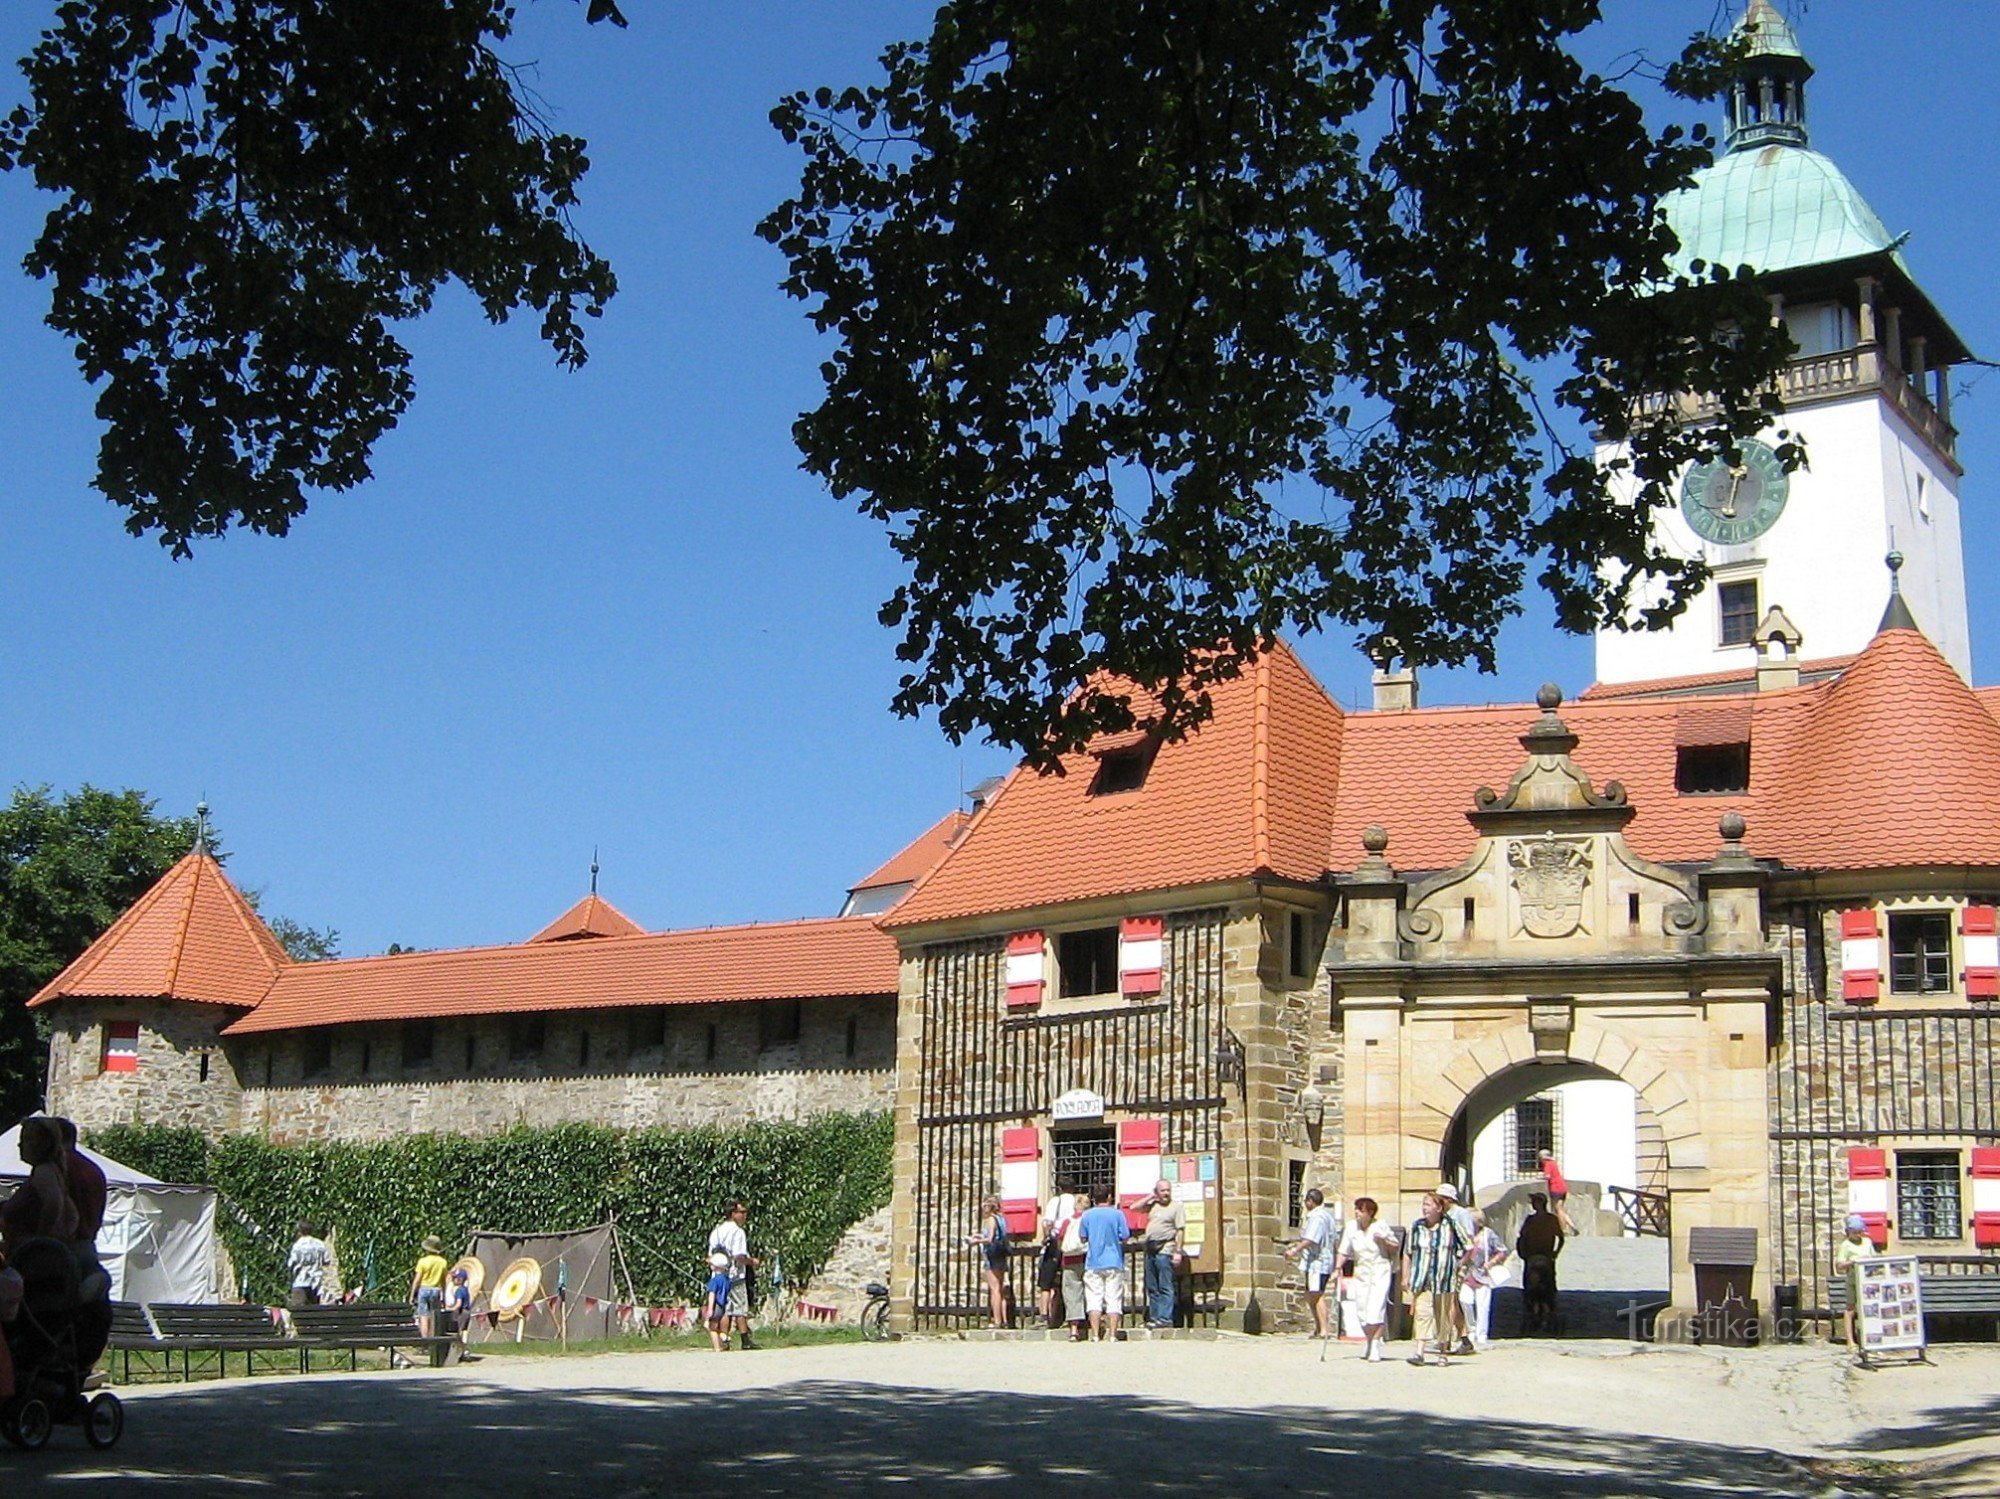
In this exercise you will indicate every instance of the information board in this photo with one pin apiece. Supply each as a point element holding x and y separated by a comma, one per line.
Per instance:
<point>1197,1182</point>
<point>1889,1317</point>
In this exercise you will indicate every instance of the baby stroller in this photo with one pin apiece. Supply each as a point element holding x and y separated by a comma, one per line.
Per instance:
<point>54,1342</point>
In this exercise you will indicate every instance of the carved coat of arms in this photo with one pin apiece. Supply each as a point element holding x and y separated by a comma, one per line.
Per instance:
<point>1550,876</point>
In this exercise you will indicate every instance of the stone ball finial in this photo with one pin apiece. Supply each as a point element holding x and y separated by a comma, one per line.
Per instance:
<point>1549,697</point>
<point>1375,838</point>
<point>1731,826</point>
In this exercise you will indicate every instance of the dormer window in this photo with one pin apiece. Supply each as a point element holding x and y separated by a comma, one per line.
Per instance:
<point>1712,769</point>
<point>1122,770</point>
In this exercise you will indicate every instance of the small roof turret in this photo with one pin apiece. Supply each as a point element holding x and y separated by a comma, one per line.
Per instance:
<point>1767,100</point>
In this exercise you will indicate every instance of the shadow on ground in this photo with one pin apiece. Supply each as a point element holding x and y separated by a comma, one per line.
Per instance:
<point>446,1437</point>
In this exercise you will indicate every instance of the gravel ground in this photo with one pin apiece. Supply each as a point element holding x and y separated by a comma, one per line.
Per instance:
<point>1207,1418</point>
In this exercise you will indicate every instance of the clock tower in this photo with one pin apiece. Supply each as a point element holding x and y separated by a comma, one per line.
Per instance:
<point>1867,391</point>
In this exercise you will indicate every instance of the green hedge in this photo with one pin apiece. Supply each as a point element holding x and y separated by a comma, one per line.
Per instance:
<point>806,1183</point>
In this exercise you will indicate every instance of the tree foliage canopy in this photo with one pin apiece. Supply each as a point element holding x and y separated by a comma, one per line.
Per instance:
<point>1160,327</point>
<point>1164,327</point>
<point>69,866</point>
<point>250,194</point>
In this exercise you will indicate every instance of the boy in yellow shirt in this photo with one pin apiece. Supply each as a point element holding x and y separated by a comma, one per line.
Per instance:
<point>427,1286</point>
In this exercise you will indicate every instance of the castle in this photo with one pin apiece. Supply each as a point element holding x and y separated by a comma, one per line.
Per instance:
<point>1735,905</point>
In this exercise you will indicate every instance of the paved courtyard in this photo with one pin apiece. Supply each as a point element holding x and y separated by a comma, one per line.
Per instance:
<point>1207,1418</point>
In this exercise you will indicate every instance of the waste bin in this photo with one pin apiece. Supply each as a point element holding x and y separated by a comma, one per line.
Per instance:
<point>1724,1261</point>
<point>1787,1327</point>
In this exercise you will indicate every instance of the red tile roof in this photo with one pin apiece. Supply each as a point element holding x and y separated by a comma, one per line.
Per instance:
<point>192,936</point>
<point>1893,762</point>
<point>920,857</point>
<point>1742,679</point>
<point>593,916</point>
<point>781,960</point>
<point>1901,766</point>
<point>1249,793</point>
<point>1415,773</point>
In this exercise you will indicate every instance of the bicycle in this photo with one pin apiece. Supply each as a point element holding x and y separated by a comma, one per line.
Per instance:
<point>875,1315</point>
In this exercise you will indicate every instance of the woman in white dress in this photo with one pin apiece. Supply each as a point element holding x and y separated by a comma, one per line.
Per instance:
<point>1371,1249</point>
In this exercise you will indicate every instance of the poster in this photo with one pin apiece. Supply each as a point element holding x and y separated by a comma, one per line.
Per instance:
<point>1199,1192</point>
<point>1890,1314</point>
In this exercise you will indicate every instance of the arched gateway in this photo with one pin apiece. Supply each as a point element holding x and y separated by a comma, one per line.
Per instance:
<point>1555,946</point>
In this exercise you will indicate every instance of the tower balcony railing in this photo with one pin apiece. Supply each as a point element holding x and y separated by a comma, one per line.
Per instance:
<point>1828,377</point>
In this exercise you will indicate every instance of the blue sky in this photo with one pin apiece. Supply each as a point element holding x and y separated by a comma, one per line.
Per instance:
<point>607,608</point>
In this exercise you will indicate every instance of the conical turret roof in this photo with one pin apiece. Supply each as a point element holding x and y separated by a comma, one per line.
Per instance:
<point>1899,762</point>
<point>593,916</point>
<point>192,936</point>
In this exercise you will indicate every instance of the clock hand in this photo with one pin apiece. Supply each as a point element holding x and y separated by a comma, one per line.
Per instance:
<point>1735,484</point>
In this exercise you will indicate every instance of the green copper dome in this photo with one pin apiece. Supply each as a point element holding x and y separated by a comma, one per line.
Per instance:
<point>1771,202</point>
<point>1775,208</point>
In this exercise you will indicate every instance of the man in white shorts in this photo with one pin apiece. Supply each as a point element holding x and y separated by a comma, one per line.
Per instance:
<point>1313,1249</point>
<point>729,1237</point>
<point>1104,1232</point>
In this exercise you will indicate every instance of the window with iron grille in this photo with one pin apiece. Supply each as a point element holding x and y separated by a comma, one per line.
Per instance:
<point>1085,1159</point>
<point>1295,1193</point>
<point>1920,953</point>
<point>1927,1200</point>
<point>1534,1131</point>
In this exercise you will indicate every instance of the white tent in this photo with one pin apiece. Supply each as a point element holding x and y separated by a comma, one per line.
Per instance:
<point>158,1239</point>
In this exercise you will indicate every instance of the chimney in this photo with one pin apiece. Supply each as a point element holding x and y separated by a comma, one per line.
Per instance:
<point>1395,688</point>
<point>1777,641</point>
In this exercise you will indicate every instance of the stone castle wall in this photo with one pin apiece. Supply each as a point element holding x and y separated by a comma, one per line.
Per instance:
<point>184,1075</point>
<point>674,1066</point>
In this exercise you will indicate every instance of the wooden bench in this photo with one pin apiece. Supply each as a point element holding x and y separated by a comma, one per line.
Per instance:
<point>388,1325</point>
<point>218,1329</point>
<point>132,1332</point>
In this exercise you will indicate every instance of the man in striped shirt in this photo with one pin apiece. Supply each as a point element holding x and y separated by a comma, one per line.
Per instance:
<point>1433,1266</point>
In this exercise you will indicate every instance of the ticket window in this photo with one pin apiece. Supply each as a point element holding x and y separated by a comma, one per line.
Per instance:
<point>1085,1157</point>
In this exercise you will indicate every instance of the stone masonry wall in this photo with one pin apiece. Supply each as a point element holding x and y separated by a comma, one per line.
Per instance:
<point>1907,1073</point>
<point>185,1074</point>
<point>676,1066</point>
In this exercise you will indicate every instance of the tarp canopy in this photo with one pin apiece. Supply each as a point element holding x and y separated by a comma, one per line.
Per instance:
<point>578,1282</point>
<point>13,1168</point>
<point>158,1240</point>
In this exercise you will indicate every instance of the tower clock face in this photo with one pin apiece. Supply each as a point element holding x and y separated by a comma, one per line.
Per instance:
<point>1730,505</point>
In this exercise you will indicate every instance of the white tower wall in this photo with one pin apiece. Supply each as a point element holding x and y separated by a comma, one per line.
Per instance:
<point>1869,474</point>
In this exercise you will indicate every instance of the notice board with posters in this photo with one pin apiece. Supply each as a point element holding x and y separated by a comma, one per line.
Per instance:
<point>1889,1316</point>
<point>1197,1182</point>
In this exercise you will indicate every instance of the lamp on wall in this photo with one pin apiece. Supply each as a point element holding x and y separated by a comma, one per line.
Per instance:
<point>1312,1105</point>
<point>1229,1059</point>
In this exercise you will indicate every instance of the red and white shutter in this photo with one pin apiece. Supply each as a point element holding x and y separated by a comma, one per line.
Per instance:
<point>1860,957</point>
<point>121,1046</point>
<point>1868,1191</point>
<point>1986,1196</point>
<point>1021,1181</point>
<point>1026,969</point>
<point>1138,1161</point>
<point>1140,956</point>
<point>1979,932</point>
